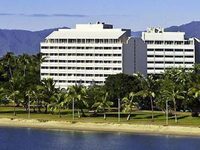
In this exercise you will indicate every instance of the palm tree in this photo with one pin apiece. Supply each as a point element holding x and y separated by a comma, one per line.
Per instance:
<point>170,92</point>
<point>13,91</point>
<point>102,104</point>
<point>3,99</point>
<point>128,103</point>
<point>13,98</point>
<point>9,63</point>
<point>38,97</point>
<point>194,91</point>
<point>57,102</point>
<point>24,61</point>
<point>148,90</point>
<point>47,88</point>
<point>30,94</point>
<point>77,94</point>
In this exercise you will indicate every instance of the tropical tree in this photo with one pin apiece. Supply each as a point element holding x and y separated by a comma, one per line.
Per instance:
<point>24,61</point>
<point>13,91</point>
<point>77,95</point>
<point>94,93</point>
<point>57,102</point>
<point>37,98</point>
<point>47,89</point>
<point>148,90</point>
<point>129,104</point>
<point>102,104</point>
<point>13,97</point>
<point>30,95</point>
<point>9,64</point>
<point>3,99</point>
<point>170,92</point>
<point>119,85</point>
<point>194,103</point>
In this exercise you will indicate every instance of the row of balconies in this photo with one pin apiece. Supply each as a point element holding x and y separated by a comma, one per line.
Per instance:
<point>73,78</point>
<point>153,46</point>
<point>81,64</point>
<point>80,71</point>
<point>169,65</point>
<point>169,53</point>
<point>171,59</point>
<point>83,51</point>
<point>83,41</point>
<point>107,58</point>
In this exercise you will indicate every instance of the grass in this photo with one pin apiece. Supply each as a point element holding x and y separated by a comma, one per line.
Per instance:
<point>138,117</point>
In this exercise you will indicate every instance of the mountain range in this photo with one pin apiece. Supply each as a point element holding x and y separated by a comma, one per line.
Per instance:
<point>23,41</point>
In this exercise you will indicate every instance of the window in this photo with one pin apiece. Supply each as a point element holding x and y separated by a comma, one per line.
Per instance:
<point>117,55</point>
<point>189,63</point>
<point>189,50</point>
<point>169,56</point>
<point>169,62</point>
<point>178,42</point>
<point>53,60</point>
<point>88,61</point>
<point>89,68</point>
<point>169,50</point>
<point>158,42</point>
<point>150,55</point>
<point>159,62</point>
<point>189,56</point>
<point>44,74</point>
<point>178,50</point>
<point>150,42</point>
<point>159,50</point>
<point>116,48</point>
<point>44,67</point>
<point>62,67</point>
<point>169,42</point>
<point>62,61</point>
<point>44,47</point>
<point>159,56</point>
<point>62,54</point>
<point>178,62</point>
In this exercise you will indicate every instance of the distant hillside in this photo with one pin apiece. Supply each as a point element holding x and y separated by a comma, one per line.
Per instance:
<point>22,41</point>
<point>191,29</point>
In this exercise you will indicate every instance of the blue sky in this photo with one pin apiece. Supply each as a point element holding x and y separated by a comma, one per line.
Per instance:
<point>133,14</point>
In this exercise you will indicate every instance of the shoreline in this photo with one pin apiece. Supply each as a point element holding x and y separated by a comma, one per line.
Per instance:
<point>102,127</point>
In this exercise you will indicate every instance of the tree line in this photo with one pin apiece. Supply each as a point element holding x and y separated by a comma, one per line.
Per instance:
<point>177,89</point>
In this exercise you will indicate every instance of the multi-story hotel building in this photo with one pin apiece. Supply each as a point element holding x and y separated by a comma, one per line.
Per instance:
<point>90,53</point>
<point>168,49</point>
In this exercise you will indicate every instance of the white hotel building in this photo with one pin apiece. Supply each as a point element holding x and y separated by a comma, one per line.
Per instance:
<point>90,53</point>
<point>169,49</point>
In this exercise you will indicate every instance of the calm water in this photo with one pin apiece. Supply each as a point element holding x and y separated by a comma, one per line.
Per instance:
<point>33,139</point>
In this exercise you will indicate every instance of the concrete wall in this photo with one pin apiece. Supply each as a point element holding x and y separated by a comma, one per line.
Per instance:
<point>141,56</point>
<point>128,57</point>
<point>197,50</point>
<point>135,56</point>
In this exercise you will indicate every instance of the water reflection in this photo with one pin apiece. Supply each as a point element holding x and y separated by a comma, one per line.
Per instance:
<point>33,139</point>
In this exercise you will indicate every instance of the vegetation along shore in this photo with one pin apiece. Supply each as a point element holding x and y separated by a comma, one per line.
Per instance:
<point>166,103</point>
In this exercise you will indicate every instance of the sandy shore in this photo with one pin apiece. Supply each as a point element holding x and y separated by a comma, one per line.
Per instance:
<point>129,128</point>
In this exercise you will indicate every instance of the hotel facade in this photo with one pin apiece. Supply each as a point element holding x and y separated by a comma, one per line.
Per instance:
<point>169,49</point>
<point>90,53</point>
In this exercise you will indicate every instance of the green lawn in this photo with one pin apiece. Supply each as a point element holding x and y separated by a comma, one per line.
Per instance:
<point>138,117</point>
